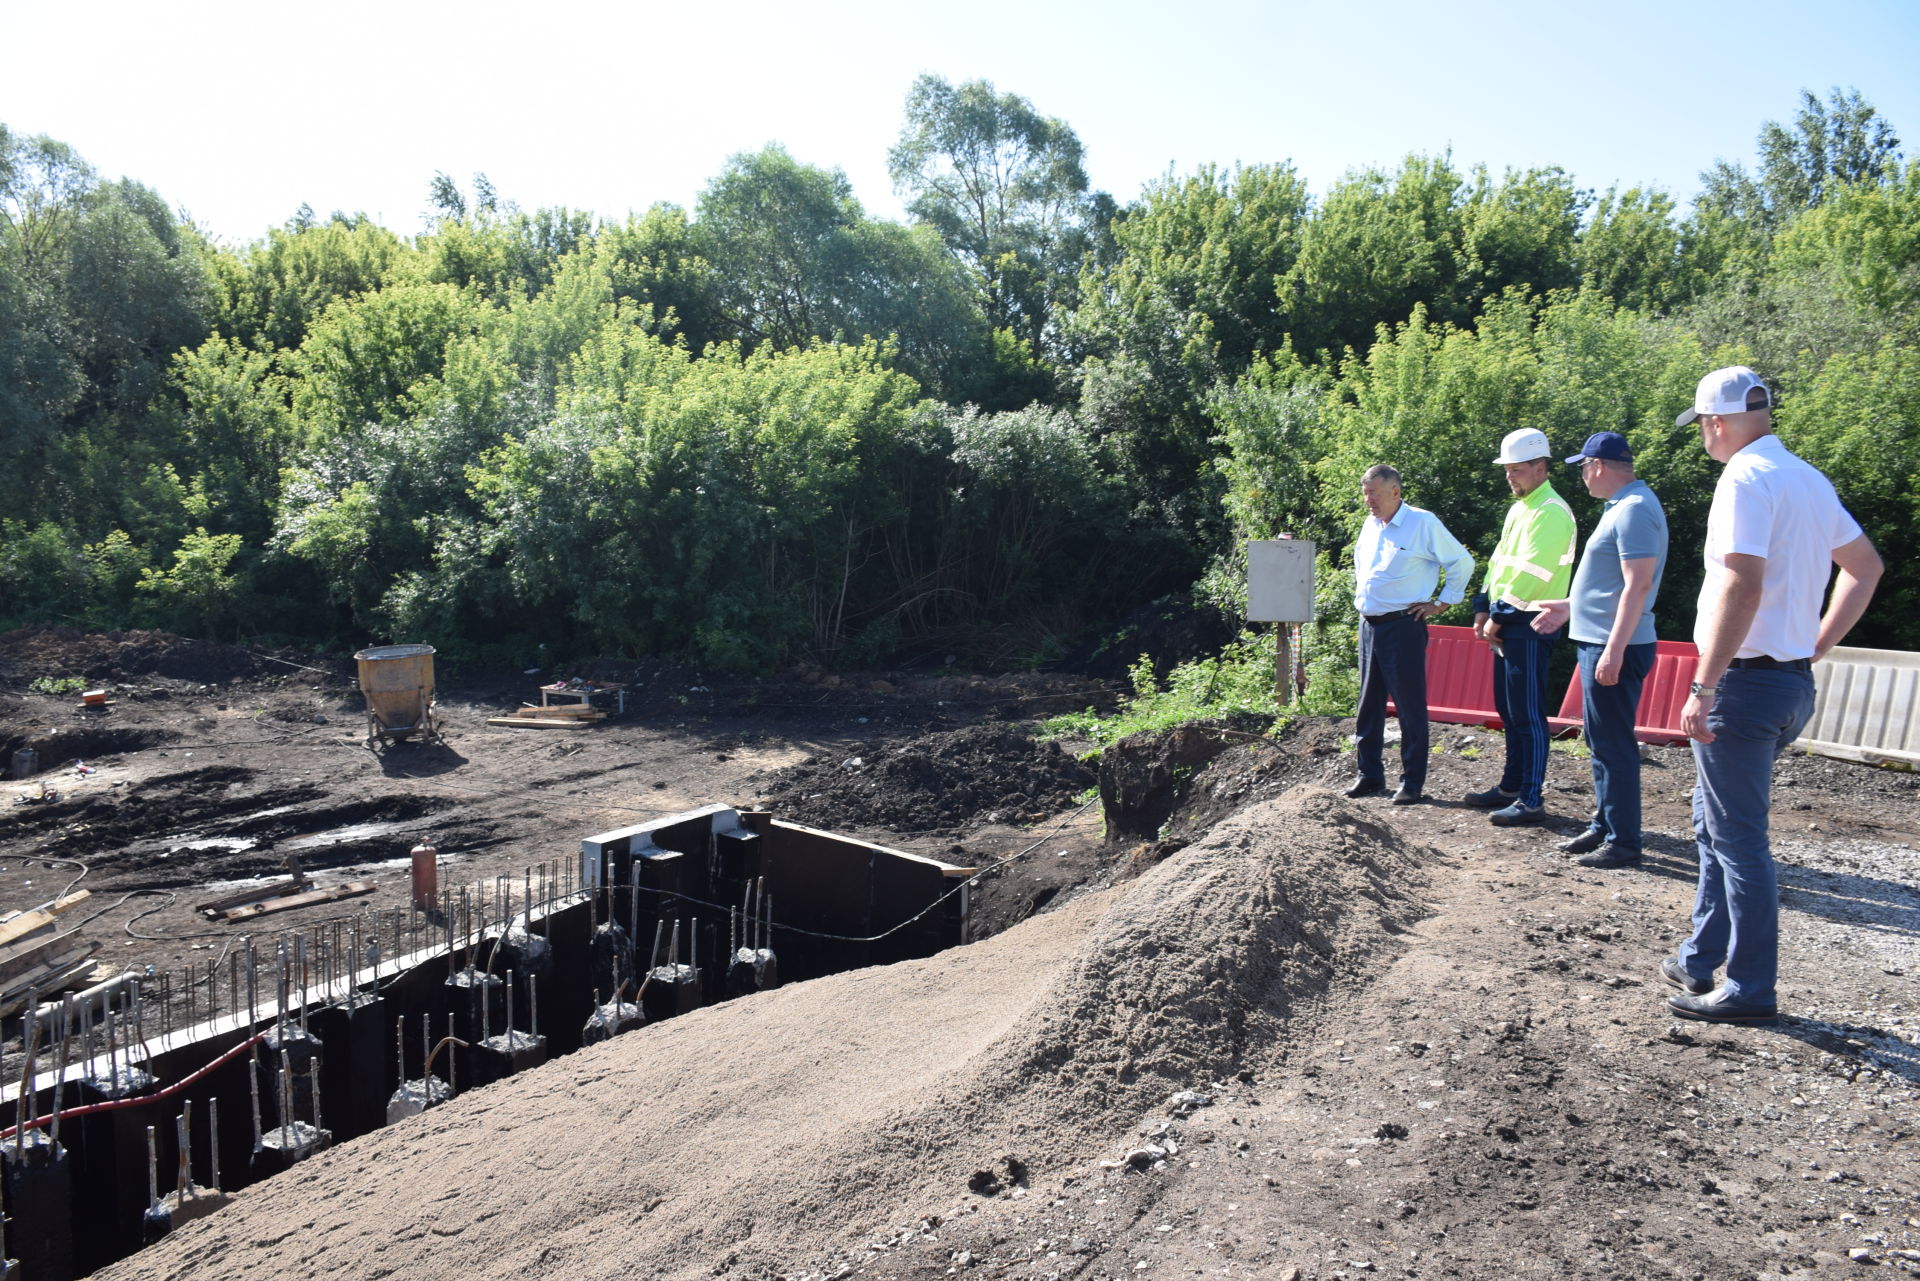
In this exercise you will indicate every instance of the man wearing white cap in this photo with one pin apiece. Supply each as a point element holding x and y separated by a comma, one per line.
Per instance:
<point>1532,562</point>
<point>1774,532</point>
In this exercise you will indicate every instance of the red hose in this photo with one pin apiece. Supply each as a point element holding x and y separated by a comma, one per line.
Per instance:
<point>167,1093</point>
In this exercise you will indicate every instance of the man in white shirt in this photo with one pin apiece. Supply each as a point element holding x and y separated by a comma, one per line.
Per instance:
<point>1775,530</point>
<point>1398,562</point>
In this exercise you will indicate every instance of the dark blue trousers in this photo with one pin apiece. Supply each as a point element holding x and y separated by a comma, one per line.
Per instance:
<point>1520,696</point>
<point>1607,714</point>
<point>1736,908</point>
<point>1393,664</point>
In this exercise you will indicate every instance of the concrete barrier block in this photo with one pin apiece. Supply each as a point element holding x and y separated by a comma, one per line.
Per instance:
<point>1864,707</point>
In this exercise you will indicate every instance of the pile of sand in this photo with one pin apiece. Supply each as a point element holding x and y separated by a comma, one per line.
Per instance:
<point>767,1134</point>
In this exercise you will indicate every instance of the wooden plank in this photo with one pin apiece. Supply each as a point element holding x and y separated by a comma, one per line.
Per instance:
<point>25,925</point>
<point>27,954</point>
<point>38,921</point>
<point>59,977</point>
<point>68,902</point>
<point>352,889</point>
<point>214,907</point>
<point>49,968</point>
<point>539,722</point>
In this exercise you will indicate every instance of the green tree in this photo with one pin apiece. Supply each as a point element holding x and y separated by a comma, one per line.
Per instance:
<point>1006,190</point>
<point>794,258</point>
<point>1188,302</point>
<point>1842,141</point>
<point>1858,419</point>
<point>1630,250</point>
<point>269,293</point>
<point>200,585</point>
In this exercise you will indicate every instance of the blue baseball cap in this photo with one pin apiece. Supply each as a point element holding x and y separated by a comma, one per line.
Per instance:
<point>1604,444</point>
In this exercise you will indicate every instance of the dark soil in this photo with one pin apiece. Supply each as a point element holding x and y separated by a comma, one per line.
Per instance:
<point>57,652</point>
<point>967,778</point>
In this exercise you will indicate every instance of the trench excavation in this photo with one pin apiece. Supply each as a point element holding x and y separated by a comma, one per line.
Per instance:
<point>143,1102</point>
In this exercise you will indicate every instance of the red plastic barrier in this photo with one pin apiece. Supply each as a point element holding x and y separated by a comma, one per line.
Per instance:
<point>1460,678</point>
<point>1662,698</point>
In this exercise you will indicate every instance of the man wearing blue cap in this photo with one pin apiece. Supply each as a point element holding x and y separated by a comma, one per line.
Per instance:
<point>1610,618</point>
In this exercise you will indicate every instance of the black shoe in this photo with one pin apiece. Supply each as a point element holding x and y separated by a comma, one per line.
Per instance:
<point>1408,796</point>
<point>1709,1007</point>
<point>1675,973</point>
<point>1492,799</point>
<point>1585,843</point>
<point>1518,815</point>
<point>1365,787</point>
<point>1609,855</point>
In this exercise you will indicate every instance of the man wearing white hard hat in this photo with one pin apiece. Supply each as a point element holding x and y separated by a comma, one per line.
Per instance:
<point>1532,562</point>
<point>1775,532</point>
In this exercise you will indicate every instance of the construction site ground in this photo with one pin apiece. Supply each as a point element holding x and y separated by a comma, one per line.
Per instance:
<point>1271,1033</point>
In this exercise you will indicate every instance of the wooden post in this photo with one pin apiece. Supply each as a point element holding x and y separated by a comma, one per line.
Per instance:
<point>1283,664</point>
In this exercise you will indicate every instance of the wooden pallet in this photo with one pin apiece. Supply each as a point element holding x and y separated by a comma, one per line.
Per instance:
<point>48,965</point>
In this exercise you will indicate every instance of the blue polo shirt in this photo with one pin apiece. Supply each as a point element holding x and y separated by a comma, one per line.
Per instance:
<point>1632,527</point>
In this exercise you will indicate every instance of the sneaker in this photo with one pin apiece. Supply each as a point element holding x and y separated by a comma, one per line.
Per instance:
<point>1713,1007</point>
<point>1675,973</point>
<point>1585,843</point>
<point>1492,799</point>
<point>1516,815</point>
<point>1609,855</point>
<point>1408,795</point>
<point>1365,787</point>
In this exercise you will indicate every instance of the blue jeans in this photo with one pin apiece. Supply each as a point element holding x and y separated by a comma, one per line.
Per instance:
<point>1393,664</point>
<point>1520,696</point>
<point>1736,911</point>
<point>1607,714</point>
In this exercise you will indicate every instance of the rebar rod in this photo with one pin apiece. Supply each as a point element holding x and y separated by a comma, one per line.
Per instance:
<point>153,1174</point>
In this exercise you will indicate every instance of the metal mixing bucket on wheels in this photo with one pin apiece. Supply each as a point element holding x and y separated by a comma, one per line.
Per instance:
<point>398,683</point>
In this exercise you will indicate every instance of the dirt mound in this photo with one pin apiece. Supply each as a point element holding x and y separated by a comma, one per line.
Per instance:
<point>59,744</point>
<point>1174,784</point>
<point>33,652</point>
<point>939,782</point>
<point>787,1127</point>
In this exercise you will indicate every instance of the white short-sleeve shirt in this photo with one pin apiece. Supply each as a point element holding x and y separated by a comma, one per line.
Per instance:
<point>1771,503</point>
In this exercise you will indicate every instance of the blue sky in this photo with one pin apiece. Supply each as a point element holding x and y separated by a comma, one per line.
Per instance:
<point>241,112</point>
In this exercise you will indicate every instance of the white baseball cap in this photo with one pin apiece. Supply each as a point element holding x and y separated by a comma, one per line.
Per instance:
<point>1724,391</point>
<point>1523,446</point>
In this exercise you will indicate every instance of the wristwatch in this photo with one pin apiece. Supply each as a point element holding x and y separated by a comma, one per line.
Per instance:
<point>1702,691</point>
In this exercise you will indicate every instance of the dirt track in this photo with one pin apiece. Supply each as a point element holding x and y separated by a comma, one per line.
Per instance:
<point>1432,1048</point>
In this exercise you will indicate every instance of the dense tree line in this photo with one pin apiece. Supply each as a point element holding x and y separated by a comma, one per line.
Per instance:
<point>773,425</point>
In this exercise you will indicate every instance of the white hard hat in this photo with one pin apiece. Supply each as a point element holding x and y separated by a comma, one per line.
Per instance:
<point>1523,446</point>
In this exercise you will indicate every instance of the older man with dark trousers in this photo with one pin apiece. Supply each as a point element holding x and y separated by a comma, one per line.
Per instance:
<point>1774,533</point>
<point>1610,620</point>
<point>1399,562</point>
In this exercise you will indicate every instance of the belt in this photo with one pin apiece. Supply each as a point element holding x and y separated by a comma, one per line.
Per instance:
<point>1764,663</point>
<point>1389,616</point>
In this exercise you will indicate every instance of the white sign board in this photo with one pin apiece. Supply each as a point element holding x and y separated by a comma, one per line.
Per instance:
<point>1280,580</point>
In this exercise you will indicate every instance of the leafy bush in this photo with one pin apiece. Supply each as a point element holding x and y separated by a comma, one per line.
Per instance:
<point>1236,683</point>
